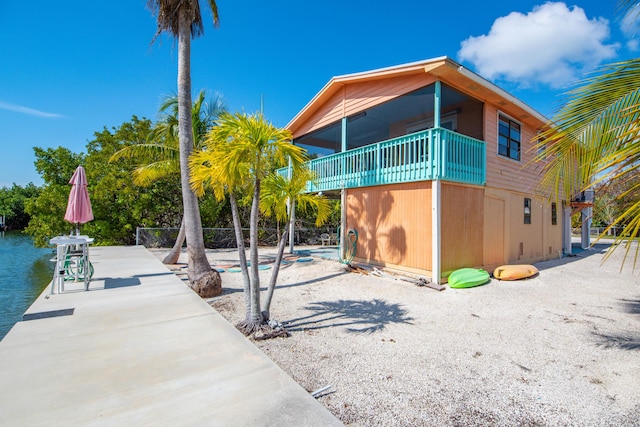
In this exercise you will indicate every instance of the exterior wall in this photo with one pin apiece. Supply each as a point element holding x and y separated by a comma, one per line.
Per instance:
<point>495,231</point>
<point>461,224</point>
<point>330,112</point>
<point>393,224</point>
<point>480,226</point>
<point>503,172</point>
<point>357,97</point>
<point>521,243</point>
<point>508,183</point>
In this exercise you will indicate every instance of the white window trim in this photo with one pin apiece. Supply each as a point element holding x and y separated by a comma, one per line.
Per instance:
<point>500,113</point>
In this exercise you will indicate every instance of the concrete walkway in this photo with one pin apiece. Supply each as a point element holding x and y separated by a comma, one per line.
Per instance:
<point>140,348</point>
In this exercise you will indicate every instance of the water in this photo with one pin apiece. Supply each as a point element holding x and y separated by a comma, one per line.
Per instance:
<point>25,272</point>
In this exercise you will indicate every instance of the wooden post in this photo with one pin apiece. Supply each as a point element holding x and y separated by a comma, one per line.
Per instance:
<point>436,187</point>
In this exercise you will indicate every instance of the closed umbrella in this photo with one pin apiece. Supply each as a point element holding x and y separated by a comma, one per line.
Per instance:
<point>79,206</point>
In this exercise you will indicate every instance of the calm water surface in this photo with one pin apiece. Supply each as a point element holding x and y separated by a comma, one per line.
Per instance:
<point>24,273</point>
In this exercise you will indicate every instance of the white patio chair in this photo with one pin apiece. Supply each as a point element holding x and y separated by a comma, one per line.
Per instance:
<point>325,238</point>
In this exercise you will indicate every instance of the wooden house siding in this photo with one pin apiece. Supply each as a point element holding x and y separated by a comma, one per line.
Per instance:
<point>393,224</point>
<point>507,239</point>
<point>356,97</point>
<point>462,215</point>
<point>328,113</point>
<point>479,225</point>
<point>503,172</point>
<point>495,232</point>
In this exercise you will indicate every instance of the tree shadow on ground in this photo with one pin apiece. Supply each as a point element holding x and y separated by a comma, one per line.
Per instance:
<point>227,290</point>
<point>357,316</point>
<point>629,341</point>
<point>599,248</point>
<point>623,341</point>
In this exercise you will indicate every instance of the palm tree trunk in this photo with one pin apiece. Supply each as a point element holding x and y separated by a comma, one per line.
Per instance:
<point>266,303</point>
<point>246,284</point>
<point>198,265</point>
<point>173,256</point>
<point>256,314</point>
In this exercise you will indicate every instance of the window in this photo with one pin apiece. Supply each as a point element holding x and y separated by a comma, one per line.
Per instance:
<point>554,214</point>
<point>527,210</point>
<point>508,138</point>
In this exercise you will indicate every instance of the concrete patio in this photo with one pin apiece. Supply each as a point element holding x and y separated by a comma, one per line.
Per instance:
<point>140,348</point>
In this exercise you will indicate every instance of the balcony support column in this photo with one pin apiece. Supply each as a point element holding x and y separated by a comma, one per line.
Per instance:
<point>343,196</point>
<point>436,197</point>
<point>436,104</point>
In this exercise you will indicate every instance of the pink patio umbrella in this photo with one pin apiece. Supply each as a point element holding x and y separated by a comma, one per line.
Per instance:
<point>79,206</point>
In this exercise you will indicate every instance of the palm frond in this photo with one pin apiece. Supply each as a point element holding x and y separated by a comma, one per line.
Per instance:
<point>146,175</point>
<point>595,138</point>
<point>168,12</point>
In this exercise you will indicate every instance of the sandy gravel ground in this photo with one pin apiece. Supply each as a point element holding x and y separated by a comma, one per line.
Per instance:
<point>559,349</point>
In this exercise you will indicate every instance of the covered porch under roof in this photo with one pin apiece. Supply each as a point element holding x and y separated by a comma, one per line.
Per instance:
<point>432,133</point>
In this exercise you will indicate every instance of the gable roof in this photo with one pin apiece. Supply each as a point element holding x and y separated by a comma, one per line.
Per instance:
<point>444,69</point>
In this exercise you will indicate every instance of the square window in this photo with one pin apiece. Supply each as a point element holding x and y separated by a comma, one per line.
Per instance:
<point>509,134</point>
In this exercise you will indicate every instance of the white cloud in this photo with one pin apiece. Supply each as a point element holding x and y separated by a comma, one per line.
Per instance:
<point>552,45</point>
<point>27,110</point>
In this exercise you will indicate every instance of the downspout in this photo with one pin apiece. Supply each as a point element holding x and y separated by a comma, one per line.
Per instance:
<point>343,195</point>
<point>436,199</point>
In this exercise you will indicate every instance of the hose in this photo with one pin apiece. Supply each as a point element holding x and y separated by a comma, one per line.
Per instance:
<point>350,250</point>
<point>75,269</point>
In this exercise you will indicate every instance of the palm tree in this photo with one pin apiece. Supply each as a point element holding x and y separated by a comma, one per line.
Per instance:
<point>242,150</point>
<point>182,19</point>
<point>160,155</point>
<point>595,138</point>
<point>279,195</point>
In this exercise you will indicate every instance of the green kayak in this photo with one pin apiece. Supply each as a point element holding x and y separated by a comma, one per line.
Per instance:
<point>468,278</point>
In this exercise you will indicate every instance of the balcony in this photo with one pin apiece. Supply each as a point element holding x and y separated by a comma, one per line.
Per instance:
<point>582,200</point>
<point>435,153</point>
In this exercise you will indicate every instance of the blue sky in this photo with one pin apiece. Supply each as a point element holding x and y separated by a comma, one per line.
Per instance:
<point>70,69</point>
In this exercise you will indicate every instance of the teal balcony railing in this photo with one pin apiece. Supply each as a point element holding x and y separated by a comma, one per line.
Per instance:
<point>435,153</point>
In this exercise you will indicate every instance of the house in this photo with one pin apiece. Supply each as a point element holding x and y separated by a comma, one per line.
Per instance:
<point>433,166</point>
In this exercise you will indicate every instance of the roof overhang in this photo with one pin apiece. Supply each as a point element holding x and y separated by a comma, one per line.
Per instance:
<point>444,68</point>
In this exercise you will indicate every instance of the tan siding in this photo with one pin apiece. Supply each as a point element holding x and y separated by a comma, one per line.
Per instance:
<point>494,232</point>
<point>329,113</point>
<point>359,97</point>
<point>502,172</point>
<point>525,243</point>
<point>479,226</point>
<point>462,226</point>
<point>393,224</point>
